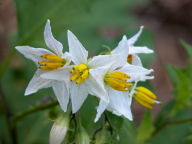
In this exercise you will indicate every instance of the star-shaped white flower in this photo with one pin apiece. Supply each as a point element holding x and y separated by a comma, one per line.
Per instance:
<point>142,95</point>
<point>84,73</point>
<point>48,60</point>
<point>119,80</point>
<point>132,56</point>
<point>118,84</point>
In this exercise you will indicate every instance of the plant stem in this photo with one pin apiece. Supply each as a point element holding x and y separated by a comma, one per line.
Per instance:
<point>34,109</point>
<point>108,121</point>
<point>8,115</point>
<point>168,123</point>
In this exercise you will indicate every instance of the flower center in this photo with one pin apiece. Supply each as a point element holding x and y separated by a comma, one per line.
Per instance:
<point>145,97</point>
<point>118,81</point>
<point>79,73</point>
<point>129,58</point>
<point>51,62</point>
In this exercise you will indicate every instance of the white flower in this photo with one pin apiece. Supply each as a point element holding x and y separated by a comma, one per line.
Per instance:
<point>118,84</point>
<point>142,95</point>
<point>48,60</point>
<point>117,80</point>
<point>84,73</point>
<point>59,130</point>
<point>132,56</point>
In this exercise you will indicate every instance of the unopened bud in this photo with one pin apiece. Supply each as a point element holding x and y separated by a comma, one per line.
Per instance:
<point>59,130</point>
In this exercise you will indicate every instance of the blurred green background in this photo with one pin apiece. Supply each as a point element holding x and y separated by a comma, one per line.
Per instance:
<point>97,23</point>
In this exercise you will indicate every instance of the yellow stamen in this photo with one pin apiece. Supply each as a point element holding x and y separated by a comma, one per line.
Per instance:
<point>145,97</point>
<point>52,62</point>
<point>118,81</point>
<point>52,57</point>
<point>147,92</point>
<point>129,58</point>
<point>142,103</point>
<point>79,73</point>
<point>50,66</point>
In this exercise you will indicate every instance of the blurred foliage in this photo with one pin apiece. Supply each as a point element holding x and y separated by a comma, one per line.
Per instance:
<point>91,21</point>
<point>145,129</point>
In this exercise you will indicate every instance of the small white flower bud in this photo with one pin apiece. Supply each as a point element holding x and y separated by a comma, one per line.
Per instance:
<point>59,130</point>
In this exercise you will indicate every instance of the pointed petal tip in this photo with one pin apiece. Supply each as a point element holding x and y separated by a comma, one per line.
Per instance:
<point>142,27</point>
<point>74,110</point>
<point>95,120</point>
<point>124,37</point>
<point>69,32</point>
<point>48,24</point>
<point>129,116</point>
<point>48,20</point>
<point>64,109</point>
<point>19,48</point>
<point>27,93</point>
<point>151,70</point>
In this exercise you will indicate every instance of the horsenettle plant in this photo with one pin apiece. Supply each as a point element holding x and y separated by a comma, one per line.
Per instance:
<point>112,78</point>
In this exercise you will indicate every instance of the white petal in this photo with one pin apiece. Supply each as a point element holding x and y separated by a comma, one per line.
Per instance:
<point>50,41</point>
<point>102,60</point>
<point>138,50</point>
<point>133,39</point>
<point>67,57</point>
<point>95,83</point>
<point>121,102</point>
<point>78,52</point>
<point>37,83</point>
<point>32,53</point>
<point>100,109</point>
<point>78,95</point>
<point>58,131</point>
<point>60,74</point>
<point>122,46</point>
<point>61,91</point>
<point>122,50</point>
<point>136,72</point>
<point>136,61</point>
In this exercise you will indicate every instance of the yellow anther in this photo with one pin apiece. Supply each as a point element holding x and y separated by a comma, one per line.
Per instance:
<point>50,66</point>
<point>129,58</point>
<point>147,92</point>
<point>71,71</point>
<point>74,76</point>
<point>142,103</point>
<point>52,57</point>
<point>145,97</point>
<point>79,80</point>
<point>52,62</point>
<point>79,73</point>
<point>119,75</point>
<point>80,67</point>
<point>117,81</point>
<point>85,74</point>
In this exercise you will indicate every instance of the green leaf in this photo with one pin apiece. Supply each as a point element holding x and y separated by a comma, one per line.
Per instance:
<point>172,134</point>
<point>188,48</point>
<point>182,88</point>
<point>145,129</point>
